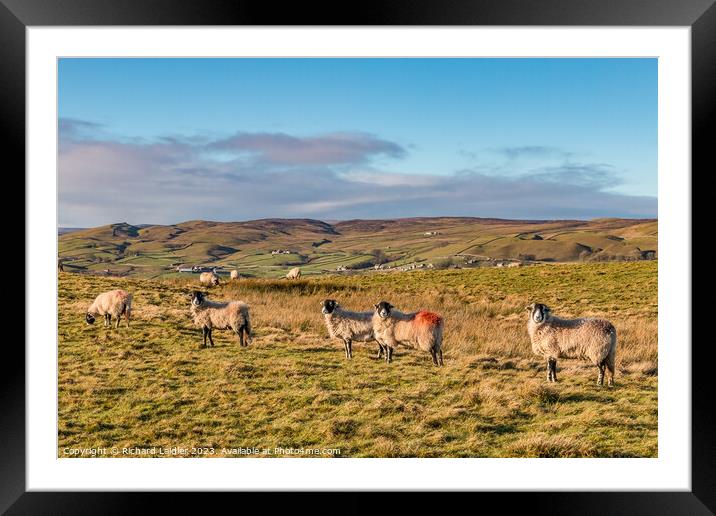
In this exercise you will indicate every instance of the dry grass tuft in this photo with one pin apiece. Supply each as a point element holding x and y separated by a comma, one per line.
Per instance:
<point>550,446</point>
<point>539,393</point>
<point>645,367</point>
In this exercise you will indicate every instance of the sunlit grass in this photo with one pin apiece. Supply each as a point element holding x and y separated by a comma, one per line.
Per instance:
<point>151,385</point>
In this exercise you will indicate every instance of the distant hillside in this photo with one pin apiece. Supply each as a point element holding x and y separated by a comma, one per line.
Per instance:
<point>317,246</point>
<point>62,231</point>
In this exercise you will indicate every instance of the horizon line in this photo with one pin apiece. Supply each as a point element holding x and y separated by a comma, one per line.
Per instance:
<point>332,220</point>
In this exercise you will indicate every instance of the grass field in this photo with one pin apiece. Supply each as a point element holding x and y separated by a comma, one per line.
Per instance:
<point>151,385</point>
<point>319,247</point>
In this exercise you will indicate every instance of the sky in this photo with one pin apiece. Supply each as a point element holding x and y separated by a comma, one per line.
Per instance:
<point>161,141</point>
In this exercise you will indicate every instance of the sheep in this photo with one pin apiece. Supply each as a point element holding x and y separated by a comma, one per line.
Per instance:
<point>422,330</point>
<point>586,338</point>
<point>209,278</point>
<point>348,326</point>
<point>294,273</point>
<point>210,315</point>
<point>234,274</point>
<point>113,303</point>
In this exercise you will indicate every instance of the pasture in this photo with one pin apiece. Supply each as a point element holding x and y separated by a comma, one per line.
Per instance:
<point>152,386</point>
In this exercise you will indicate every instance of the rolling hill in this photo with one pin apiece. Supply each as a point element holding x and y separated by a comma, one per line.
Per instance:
<point>320,247</point>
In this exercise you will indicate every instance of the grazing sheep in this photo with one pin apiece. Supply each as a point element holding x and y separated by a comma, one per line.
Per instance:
<point>591,339</point>
<point>234,274</point>
<point>113,303</point>
<point>348,326</point>
<point>209,278</point>
<point>294,273</point>
<point>60,266</point>
<point>422,330</point>
<point>210,315</point>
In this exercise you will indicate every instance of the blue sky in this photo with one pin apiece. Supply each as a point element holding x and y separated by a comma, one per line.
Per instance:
<point>235,139</point>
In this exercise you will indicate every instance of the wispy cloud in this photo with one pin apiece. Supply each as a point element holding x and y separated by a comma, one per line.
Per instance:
<point>328,176</point>
<point>530,151</point>
<point>588,175</point>
<point>328,149</point>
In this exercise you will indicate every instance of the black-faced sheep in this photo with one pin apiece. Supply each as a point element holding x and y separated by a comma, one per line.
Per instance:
<point>209,279</point>
<point>422,330</point>
<point>229,315</point>
<point>348,326</point>
<point>588,339</point>
<point>113,303</point>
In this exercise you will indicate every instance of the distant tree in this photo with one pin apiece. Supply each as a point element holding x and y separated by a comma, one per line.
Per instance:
<point>363,264</point>
<point>444,263</point>
<point>379,257</point>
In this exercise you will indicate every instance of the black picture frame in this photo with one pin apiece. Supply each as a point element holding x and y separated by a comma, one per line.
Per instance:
<point>699,15</point>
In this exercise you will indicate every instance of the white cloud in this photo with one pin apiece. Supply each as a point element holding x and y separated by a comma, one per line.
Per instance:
<point>175,179</point>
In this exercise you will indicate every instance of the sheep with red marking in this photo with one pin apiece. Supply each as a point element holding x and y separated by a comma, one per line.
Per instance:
<point>422,330</point>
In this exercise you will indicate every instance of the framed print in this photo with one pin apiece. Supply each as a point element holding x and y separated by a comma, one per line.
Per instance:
<point>453,250</point>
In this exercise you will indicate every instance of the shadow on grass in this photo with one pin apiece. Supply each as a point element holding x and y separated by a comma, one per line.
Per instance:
<point>585,396</point>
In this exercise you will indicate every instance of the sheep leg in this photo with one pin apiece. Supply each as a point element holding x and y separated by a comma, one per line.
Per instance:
<point>107,320</point>
<point>210,338</point>
<point>240,333</point>
<point>610,369</point>
<point>551,370</point>
<point>440,355</point>
<point>349,348</point>
<point>380,351</point>
<point>434,355</point>
<point>119,320</point>
<point>204,332</point>
<point>388,354</point>
<point>600,379</point>
<point>345,347</point>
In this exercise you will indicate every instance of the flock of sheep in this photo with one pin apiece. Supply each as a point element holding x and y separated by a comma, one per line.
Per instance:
<point>552,337</point>
<point>211,279</point>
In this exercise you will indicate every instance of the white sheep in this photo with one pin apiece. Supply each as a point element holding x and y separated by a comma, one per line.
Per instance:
<point>234,274</point>
<point>422,330</point>
<point>294,273</point>
<point>113,303</point>
<point>348,326</point>
<point>588,338</point>
<point>209,279</point>
<point>210,315</point>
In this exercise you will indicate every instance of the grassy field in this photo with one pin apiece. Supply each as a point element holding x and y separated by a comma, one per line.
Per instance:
<point>152,386</point>
<point>319,247</point>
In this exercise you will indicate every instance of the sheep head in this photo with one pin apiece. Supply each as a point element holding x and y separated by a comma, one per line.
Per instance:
<point>197,298</point>
<point>538,312</point>
<point>383,309</point>
<point>328,306</point>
